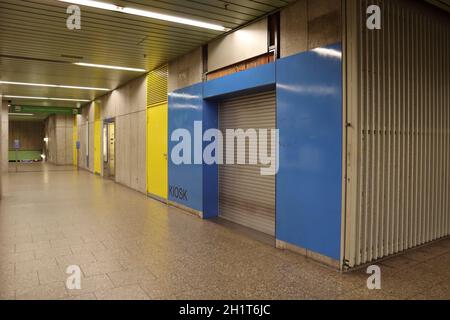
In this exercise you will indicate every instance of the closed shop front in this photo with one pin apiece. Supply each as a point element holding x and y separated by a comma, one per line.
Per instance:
<point>245,196</point>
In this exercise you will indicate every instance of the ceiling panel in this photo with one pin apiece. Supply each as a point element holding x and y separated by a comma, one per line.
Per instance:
<point>443,4</point>
<point>36,46</point>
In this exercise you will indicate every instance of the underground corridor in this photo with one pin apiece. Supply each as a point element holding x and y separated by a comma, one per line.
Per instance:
<point>224,150</point>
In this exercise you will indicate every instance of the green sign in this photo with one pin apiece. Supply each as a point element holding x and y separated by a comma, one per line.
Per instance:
<point>42,109</point>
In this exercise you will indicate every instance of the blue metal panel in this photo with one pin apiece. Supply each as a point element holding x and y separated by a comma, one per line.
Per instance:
<point>309,116</point>
<point>238,83</point>
<point>210,172</point>
<point>185,107</point>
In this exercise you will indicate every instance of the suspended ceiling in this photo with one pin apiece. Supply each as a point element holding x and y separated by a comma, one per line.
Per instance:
<point>37,47</point>
<point>443,4</point>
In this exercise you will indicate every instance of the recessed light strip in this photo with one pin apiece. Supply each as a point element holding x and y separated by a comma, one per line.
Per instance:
<point>103,66</point>
<point>64,99</point>
<point>21,114</point>
<point>147,14</point>
<point>52,86</point>
<point>46,98</point>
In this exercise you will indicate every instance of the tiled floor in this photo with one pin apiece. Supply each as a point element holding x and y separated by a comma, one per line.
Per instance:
<point>130,247</point>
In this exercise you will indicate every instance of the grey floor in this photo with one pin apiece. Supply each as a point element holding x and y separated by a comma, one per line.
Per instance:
<point>131,247</point>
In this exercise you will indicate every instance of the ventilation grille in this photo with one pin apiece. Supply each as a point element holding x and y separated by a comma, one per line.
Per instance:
<point>157,86</point>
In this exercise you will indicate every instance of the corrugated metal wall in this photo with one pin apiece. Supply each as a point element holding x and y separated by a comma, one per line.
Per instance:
<point>399,196</point>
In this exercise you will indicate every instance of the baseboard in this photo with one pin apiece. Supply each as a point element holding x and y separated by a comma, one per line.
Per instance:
<point>157,198</point>
<point>317,257</point>
<point>186,209</point>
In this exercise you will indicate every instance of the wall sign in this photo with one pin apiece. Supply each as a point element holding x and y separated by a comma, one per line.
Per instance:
<point>178,193</point>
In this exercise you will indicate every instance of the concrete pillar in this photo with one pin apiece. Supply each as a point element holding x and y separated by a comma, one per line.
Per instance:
<point>59,131</point>
<point>3,142</point>
<point>1,147</point>
<point>308,24</point>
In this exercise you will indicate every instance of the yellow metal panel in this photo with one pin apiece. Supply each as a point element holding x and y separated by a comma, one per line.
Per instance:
<point>75,139</point>
<point>157,149</point>
<point>97,140</point>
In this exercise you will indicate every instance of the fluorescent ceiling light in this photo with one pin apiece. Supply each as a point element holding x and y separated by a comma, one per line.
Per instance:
<point>147,14</point>
<point>21,114</point>
<point>103,66</point>
<point>46,98</point>
<point>64,99</point>
<point>52,86</point>
<point>329,53</point>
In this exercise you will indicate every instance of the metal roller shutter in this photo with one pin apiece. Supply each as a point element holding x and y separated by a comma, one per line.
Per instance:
<point>245,196</point>
<point>398,191</point>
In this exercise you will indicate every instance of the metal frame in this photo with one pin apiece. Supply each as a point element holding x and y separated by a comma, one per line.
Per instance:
<point>350,123</point>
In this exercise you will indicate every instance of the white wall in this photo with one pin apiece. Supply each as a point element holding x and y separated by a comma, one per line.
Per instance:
<point>243,44</point>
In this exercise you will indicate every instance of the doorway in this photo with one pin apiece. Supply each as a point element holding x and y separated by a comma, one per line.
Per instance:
<point>245,196</point>
<point>157,150</point>
<point>109,149</point>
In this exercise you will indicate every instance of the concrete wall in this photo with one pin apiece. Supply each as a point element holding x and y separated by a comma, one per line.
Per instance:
<point>127,105</point>
<point>186,70</point>
<point>50,134</point>
<point>64,139</point>
<point>83,123</point>
<point>308,24</point>
<point>4,139</point>
<point>304,25</point>
<point>3,142</point>
<point>59,131</point>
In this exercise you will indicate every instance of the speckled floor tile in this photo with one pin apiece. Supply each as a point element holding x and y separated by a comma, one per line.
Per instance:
<point>366,294</point>
<point>83,297</point>
<point>90,285</point>
<point>131,247</point>
<point>130,277</point>
<point>53,291</point>
<point>123,293</point>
